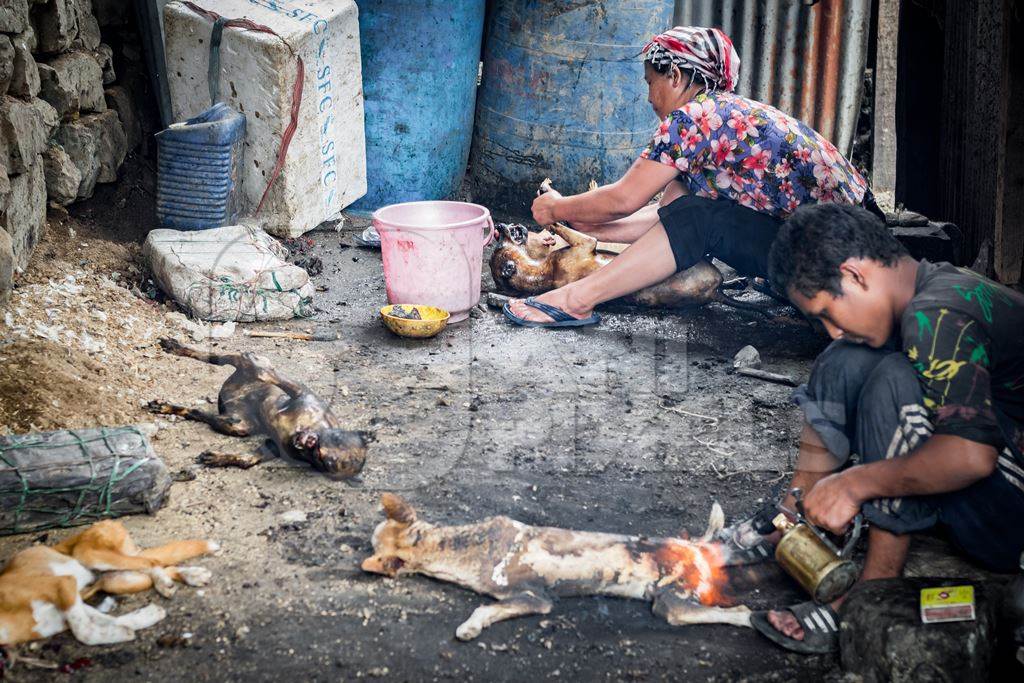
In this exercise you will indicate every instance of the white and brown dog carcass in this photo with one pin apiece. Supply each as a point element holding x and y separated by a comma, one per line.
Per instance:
<point>524,567</point>
<point>43,589</point>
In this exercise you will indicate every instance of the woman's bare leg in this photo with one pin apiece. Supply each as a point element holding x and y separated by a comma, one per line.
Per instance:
<point>647,261</point>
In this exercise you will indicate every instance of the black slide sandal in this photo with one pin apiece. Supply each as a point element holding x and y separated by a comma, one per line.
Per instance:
<point>820,624</point>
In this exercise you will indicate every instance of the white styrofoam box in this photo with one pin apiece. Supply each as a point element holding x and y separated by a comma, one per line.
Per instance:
<point>325,168</point>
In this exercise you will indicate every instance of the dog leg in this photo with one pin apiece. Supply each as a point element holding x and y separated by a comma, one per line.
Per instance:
<point>140,618</point>
<point>127,582</point>
<point>92,627</point>
<point>680,609</point>
<point>179,551</point>
<point>231,426</point>
<point>516,606</point>
<point>575,238</point>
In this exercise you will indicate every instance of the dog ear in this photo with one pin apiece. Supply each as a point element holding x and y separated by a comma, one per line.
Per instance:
<point>716,522</point>
<point>397,509</point>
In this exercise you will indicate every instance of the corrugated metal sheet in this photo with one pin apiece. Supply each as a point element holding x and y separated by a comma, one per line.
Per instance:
<point>806,60</point>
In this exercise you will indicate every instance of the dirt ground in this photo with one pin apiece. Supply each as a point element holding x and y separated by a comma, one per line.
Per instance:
<point>636,426</point>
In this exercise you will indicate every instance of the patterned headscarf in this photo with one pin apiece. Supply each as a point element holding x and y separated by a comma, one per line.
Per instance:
<point>706,51</point>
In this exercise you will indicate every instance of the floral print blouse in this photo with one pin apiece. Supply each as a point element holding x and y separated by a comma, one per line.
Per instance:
<point>726,146</point>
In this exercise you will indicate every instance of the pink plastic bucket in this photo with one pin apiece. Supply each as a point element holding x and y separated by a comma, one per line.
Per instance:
<point>433,252</point>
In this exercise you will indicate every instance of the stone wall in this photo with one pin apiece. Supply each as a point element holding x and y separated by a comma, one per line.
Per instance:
<point>64,124</point>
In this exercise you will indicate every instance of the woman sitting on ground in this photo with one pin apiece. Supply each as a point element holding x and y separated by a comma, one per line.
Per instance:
<point>731,170</point>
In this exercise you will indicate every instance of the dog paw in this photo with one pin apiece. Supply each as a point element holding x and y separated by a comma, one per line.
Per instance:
<point>213,548</point>
<point>195,576</point>
<point>165,587</point>
<point>142,618</point>
<point>106,605</point>
<point>467,631</point>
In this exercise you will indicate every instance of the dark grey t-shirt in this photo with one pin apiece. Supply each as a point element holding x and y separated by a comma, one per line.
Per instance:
<point>964,334</point>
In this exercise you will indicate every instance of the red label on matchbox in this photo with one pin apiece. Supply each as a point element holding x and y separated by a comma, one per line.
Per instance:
<point>947,603</point>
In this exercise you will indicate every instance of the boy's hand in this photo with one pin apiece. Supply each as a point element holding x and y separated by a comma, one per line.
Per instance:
<point>832,503</point>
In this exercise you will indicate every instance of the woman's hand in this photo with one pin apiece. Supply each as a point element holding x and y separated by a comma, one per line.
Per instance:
<point>544,207</point>
<point>832,503</point>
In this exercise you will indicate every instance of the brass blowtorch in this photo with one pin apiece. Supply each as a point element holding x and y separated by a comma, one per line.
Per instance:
<point>806,553</point>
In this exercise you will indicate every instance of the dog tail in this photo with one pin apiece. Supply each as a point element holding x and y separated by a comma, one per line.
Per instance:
<point>716,522</point>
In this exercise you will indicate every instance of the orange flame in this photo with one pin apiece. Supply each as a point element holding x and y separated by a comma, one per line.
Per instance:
<point>696,568</point>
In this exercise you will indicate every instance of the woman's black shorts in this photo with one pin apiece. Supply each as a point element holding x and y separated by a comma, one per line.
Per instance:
<point>698,227</point>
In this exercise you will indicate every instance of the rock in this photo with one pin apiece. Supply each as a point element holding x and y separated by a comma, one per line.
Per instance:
<point>56,24</point>
<point>73,82</point>
<point>26,128</point>
<point>111,12</point>
<point>97,147</point>
<point>120,100</point>
<point>104,55</point>
<point>88,28</point>
<point>112,145</point>
<point>13,16</point>
<point>79,142</point>
<point>62,175</point>
<point>5,181</point>
<point>24,75</point>
<point>6,266</point>
<point>747,357</point>
<point>881,636</point>
<point>25,216</point>
<point>293,516</point>
<point>6,62</point>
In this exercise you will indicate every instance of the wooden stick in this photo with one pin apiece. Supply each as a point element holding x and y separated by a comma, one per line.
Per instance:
<point>767,376</point>
<point>217,459</point>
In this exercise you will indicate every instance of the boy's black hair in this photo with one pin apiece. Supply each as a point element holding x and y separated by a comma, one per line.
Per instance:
<point>817,239</point>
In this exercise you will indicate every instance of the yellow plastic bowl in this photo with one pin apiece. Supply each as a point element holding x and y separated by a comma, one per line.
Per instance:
<point>433,321</point>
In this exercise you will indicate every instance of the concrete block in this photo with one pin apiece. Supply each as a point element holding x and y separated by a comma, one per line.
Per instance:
<point>6,62</point>
<point>72,83</point>
<point>104,55</point>
<point>26,128</point>
<point>56,24</point>
<point>120,100</point>
<point>13,16</point>
<point>25,75</point>
<point>62,175</point>
<point>881,636</point>
<point>25,216</point>
<point>6,266</point>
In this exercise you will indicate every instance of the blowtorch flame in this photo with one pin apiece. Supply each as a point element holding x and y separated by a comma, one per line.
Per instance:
<point>697,568</point>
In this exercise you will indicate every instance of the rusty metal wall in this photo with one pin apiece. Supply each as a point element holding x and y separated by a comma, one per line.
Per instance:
<point>807,61</point>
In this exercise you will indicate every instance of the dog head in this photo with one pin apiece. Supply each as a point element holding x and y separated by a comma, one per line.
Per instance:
<point>338,452</point>
<point>394,539</point>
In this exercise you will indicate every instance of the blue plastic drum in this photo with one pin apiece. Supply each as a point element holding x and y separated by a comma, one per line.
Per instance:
<point>563,96</point>
<point>420,64</point>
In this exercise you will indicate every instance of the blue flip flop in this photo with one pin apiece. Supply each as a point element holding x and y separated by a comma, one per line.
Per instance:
<point>559,318</point>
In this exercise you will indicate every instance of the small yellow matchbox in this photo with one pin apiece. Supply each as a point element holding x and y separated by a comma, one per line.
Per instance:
<point>947,603</point>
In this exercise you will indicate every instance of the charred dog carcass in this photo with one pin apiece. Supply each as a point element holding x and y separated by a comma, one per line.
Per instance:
<point>525,567</point>
<point>256,399</point>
